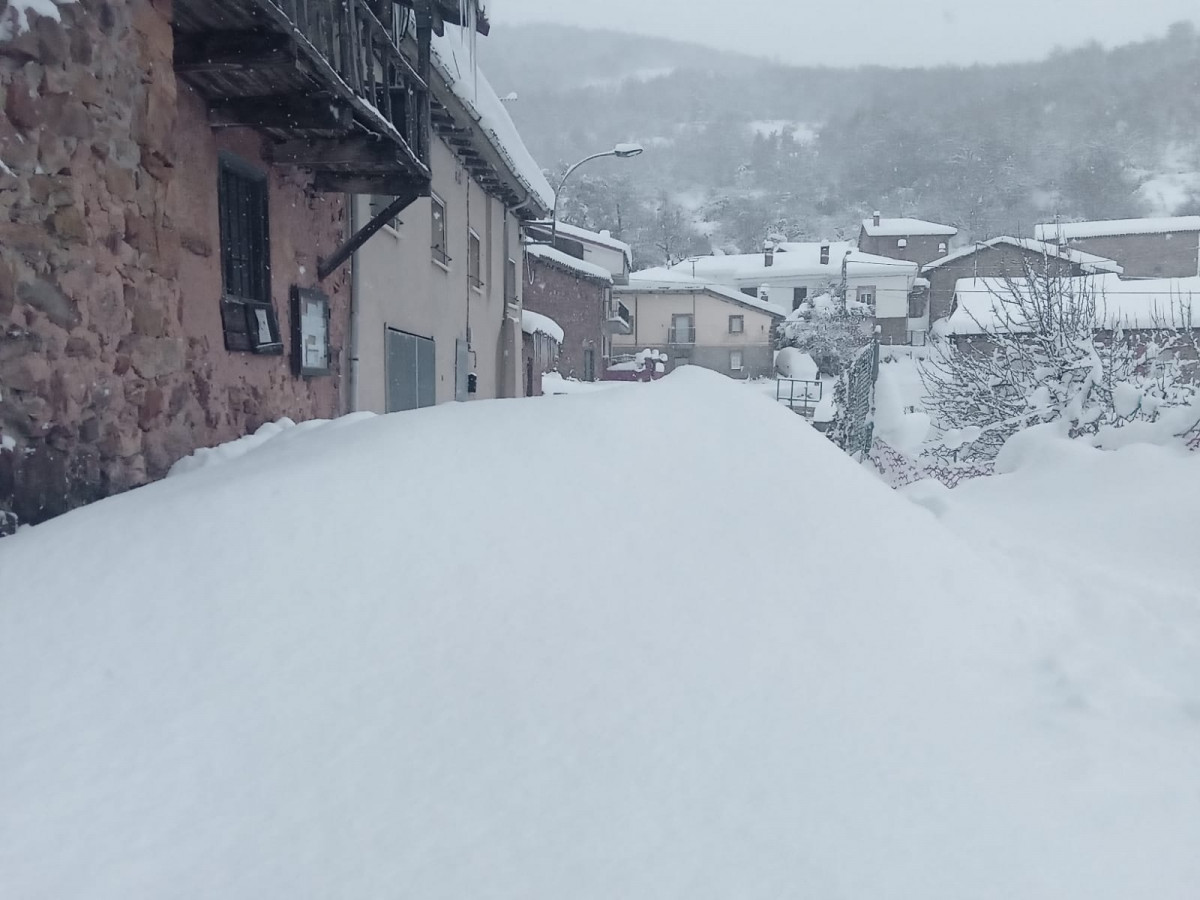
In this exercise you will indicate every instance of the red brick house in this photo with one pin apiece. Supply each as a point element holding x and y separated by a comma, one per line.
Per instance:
<point>578,296</point>
<point>173,221</point>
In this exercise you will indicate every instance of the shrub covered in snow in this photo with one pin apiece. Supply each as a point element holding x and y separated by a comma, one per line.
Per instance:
<point>1035,355</point>
<point>828,331</point>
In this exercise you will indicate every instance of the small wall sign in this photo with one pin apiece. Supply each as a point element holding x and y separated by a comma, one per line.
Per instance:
<point>310,317</point>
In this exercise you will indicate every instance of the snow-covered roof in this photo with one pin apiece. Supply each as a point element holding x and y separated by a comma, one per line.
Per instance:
<point>793,260</point>
<point>452,57</point>
<point>1074,230</point>
<point>572,263</point>
<point>536,323</point>
<point>984,304</point>
<point>665,281</point>
<point>600,238</point>
<point>906,228</point>
<point>1090,263</point>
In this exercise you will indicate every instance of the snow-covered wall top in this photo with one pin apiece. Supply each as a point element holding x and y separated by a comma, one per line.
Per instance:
<point>906,228</point>
<point>990,304</point>
<point>1074,230</point>
<point>452,56</point>
<point>15,19</point>
<point>663,280</point>
<point>566,261</point>
<point>536,323</point>
<point>1091,263</point>
<point>601,238</point>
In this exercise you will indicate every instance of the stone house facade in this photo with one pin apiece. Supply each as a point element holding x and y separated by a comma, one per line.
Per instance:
<point>1004,257</point>
<point>578,296</point>
<point>153,240</point>
<point>1146,248</point>
<point>912,240</point>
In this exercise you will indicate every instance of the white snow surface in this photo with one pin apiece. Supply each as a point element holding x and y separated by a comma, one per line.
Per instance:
<point>307,673</point>
<point>567,261</point>
<point>981,304</point>
<point>1074,230</point>
<point>452,55</point>
<point>906,228</point>
<point>795,259</point>
<point>1090,263</point>
<point>664,280</point>
<point>536,323</point>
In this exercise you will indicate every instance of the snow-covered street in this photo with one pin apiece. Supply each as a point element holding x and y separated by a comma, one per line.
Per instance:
<point>684,647</point>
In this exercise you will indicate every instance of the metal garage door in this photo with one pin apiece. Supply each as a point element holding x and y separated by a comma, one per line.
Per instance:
<point>411,371</point>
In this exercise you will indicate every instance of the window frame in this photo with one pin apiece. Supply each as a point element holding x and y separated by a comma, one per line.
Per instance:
<point>741,361</point>
<point>377,203</point>
<point>799,297</point>
<point>475,260</point>
<point>691,328</point>
<point>741,320</point>
<point>248,317</point>
<point>439,253</point>
<point>870,290</point>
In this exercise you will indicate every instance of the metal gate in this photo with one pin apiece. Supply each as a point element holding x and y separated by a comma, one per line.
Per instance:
<point>411,371</point>
<point>855,426</point>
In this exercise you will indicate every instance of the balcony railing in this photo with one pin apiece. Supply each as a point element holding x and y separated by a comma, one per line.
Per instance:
<point>327,75</point>
<point>681,336</point>
<point>620,320</point>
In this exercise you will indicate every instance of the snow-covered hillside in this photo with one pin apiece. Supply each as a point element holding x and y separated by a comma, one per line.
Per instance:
<point>593,647</point>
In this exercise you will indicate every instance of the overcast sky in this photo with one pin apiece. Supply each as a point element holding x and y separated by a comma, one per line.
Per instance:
<point>888,32</point>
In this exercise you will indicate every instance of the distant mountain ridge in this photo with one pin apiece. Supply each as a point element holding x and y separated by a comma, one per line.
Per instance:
<point>740,148</point>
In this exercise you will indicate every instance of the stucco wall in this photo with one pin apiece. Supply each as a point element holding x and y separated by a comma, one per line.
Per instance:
<point>112,362</point>
<point>578,305</point>
<point>1170,255</point>
<point>400,286</point>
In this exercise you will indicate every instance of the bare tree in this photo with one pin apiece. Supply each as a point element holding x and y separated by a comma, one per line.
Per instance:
<point>1044,347</point>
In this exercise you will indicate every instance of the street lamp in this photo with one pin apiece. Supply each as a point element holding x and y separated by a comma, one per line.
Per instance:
<point>621,151</point>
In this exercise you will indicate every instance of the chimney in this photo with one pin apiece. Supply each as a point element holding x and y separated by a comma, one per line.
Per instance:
<point>769,254</point>
<point>824,253</point>
<point>876,217</point>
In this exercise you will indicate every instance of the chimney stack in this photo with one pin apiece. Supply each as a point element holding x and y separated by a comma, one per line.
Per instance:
<point>876,218</point>
<point>769,254</point>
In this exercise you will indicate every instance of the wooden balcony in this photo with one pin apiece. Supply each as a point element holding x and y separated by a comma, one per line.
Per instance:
<point>326,79</point>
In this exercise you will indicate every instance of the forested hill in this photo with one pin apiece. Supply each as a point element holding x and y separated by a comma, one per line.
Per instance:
<point>739,149</point>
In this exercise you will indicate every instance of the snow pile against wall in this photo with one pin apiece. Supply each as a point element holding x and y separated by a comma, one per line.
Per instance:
<point>571,263</point>
<point>453,57</point>
<point>536,323</point>
<point>307,672</point>
<point>15,19</point>
<point>207,457</point>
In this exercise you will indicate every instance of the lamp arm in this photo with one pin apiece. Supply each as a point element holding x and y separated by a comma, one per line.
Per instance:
<point>562,184</point>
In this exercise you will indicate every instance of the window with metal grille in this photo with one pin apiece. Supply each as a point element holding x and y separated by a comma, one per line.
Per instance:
<point>247,313</point>
<point>474,260</point>
<point>438,241</point>
<point>735,360</point>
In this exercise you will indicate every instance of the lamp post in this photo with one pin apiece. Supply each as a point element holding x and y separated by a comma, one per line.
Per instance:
<point>621,151</point>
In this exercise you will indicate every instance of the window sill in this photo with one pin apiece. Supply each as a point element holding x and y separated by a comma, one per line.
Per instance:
<point>444,266</point>
<point>393,232</point>
<point>477,288</point>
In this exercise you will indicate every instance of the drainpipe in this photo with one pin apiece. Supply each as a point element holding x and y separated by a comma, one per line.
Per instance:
<point>351,404</point>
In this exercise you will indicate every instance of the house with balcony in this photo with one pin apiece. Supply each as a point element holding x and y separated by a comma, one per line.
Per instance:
<point>177,191</point>
<point>693,321</point>
<point>788,274</point>
<point>438,289</point>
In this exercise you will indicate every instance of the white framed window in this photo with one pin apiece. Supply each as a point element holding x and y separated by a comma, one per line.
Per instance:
<point>474,260</point>
<point>380,202</point>
<point>438,245</point>
<point>737,324</point>
<point>735,360</point>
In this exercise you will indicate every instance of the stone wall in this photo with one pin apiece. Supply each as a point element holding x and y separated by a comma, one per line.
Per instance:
<point>1170,255</point>
<point>112,364</point>
<point>577,304</point>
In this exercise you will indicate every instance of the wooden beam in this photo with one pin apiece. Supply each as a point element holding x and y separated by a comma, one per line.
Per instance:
<point>327,267</point>
<point>291,113</point>
<point>364,153</point>
<point>390,183</point>
<point>216,51</point>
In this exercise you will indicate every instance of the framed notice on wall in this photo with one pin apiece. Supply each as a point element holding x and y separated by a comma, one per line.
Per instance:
<point>310,318</point>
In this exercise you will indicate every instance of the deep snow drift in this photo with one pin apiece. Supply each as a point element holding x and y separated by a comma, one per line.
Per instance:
<point>657,642</point>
